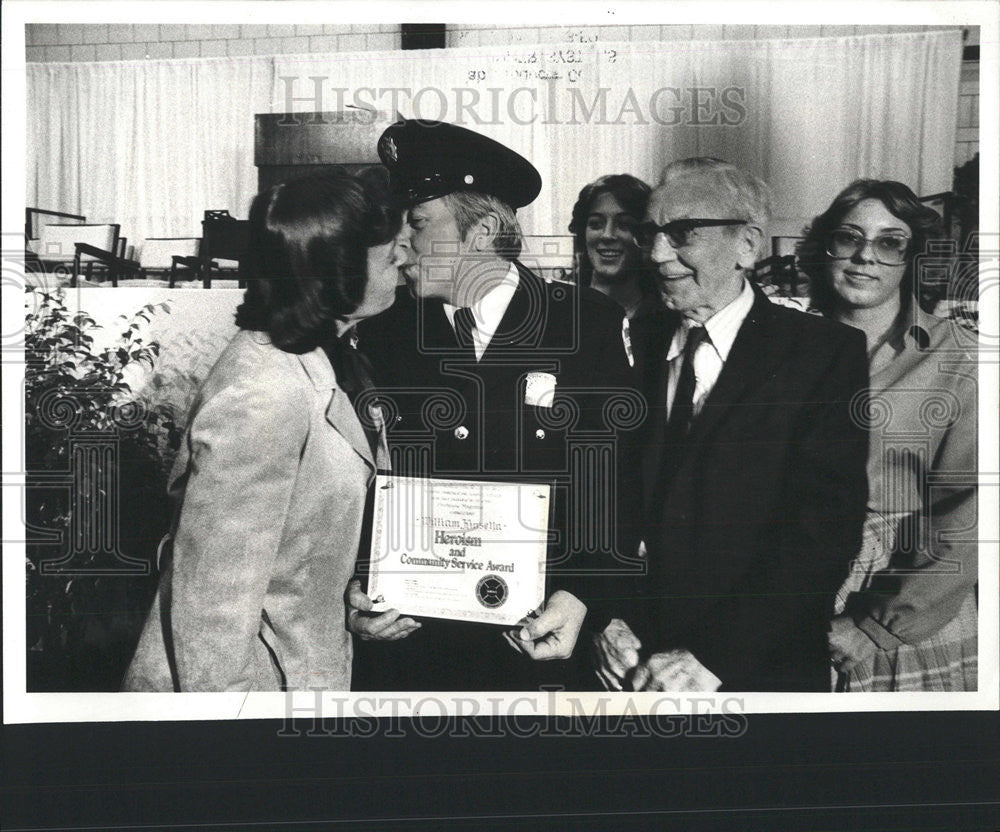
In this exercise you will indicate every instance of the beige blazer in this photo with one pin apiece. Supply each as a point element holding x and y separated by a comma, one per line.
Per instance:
<point>269,488</point>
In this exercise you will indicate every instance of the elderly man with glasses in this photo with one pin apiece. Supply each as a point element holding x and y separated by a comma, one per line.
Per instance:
<point>753,475</point>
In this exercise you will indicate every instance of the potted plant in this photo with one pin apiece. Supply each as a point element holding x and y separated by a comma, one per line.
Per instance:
<point>97,457</point>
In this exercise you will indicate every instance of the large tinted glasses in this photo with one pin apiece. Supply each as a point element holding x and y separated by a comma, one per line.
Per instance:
<point>889,249</point>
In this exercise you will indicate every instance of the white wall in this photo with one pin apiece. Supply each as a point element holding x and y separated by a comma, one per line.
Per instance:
<point>48,42</point>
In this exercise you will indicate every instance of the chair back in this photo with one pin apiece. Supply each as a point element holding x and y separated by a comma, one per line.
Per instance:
<point>56,242</point>
<point>224,239</point>
<point>35,218</point>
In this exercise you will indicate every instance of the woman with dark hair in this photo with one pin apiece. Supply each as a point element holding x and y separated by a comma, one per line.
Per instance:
<point>271,481</point>
<point>906,618</point>
<point>604,220</point>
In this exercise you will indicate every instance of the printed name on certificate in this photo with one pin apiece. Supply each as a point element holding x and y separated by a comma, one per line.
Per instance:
<point>459,549</point>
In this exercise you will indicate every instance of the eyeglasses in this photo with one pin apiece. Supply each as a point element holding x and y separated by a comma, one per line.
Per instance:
<point>678,232</point>
<point>889,249</point>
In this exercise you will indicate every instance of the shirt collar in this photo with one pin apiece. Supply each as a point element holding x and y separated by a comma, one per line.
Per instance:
<point>911,330</point>
<point>722,327</point>
<point>918,333</point>
<point>489,309</point>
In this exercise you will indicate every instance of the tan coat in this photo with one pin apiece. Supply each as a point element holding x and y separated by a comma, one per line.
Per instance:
<point>270,490</point>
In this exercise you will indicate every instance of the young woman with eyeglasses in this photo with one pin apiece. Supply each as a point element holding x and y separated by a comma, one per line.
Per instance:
<point>906,616</point>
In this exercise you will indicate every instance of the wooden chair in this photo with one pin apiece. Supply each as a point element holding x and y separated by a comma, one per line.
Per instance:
<point>224,242</point>
<point>34,219</point>
<point>166,255</point>
<point>779,272</point>
<point>112,265</point>
<point>79,248</point>
<point>781,269</point>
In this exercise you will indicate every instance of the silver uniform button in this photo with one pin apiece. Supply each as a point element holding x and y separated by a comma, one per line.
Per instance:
<point>461,432</point>
<point>539,434</point>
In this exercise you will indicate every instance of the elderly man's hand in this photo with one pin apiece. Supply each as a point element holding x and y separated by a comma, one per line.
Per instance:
<point>675,670</point>
<point>553,632</point>
<point>367,625</point>
<point>615,652</point>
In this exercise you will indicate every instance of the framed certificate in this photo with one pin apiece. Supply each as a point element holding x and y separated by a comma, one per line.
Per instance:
<point>461,549</point>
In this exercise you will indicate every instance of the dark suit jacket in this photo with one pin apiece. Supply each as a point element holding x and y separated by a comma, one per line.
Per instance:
<point>750,539</point>
<point>452,417</point>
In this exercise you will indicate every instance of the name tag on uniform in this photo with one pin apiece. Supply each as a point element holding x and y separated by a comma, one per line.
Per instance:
<point>539,389</point>
<point>459,549</point>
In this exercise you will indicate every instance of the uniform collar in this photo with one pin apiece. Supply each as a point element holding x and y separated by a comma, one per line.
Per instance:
<point>488,310</point>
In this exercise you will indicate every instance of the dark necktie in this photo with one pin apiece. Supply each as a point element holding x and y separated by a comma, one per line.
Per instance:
<point>682,410</point>
<point>464,324</point>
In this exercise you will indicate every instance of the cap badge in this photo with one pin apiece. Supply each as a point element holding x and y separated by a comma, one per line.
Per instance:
<point>389,148</point>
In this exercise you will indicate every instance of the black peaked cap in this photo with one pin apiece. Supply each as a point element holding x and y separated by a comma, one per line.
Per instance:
<point>431,159</point>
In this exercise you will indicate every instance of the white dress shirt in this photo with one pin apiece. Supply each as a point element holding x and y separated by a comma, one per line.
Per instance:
<point>488,311</point>
<point>712,353</point>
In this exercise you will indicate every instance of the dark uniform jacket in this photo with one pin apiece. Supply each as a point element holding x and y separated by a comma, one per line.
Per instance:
<point>449,416</point>
<point>752,533</point>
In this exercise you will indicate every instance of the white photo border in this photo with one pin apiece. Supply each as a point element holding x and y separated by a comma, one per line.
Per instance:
<point>23,707</point>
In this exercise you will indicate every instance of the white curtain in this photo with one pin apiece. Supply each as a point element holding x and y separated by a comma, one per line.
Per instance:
<point>147,145</point>
<point>153,144</point>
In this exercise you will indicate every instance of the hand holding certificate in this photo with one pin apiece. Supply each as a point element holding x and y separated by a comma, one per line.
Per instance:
<point>368,625</point>
<point>459,549</point>
<point>553,632</point>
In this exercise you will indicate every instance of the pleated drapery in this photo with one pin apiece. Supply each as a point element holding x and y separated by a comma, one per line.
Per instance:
<point>151,144</point>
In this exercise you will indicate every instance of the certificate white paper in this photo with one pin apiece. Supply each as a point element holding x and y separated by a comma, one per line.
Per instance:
<point>459,549</point>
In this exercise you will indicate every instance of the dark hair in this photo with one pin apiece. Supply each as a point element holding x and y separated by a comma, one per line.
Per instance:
<point>307,260</point>
<point>631,193</point>
<point>899,200</point>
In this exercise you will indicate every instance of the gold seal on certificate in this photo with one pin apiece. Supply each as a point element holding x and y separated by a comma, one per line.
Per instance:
<point>463,549</point>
